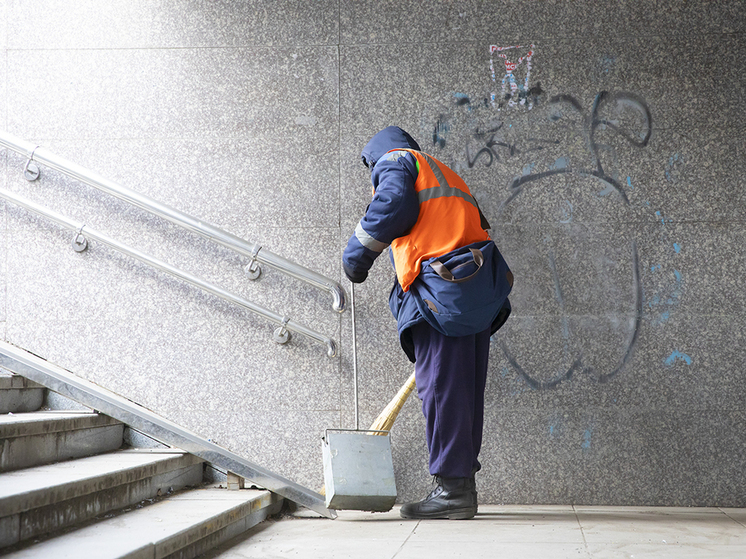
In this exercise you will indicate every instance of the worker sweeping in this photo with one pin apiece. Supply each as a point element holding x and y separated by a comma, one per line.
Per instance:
<point>449,297</point>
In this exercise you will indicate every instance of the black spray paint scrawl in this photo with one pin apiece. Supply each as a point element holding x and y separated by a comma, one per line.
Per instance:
<point>498,138</point>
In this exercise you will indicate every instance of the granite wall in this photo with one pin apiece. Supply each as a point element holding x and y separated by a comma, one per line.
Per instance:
<point>603,140</point>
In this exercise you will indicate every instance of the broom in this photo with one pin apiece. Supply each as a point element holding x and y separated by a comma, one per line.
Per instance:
<point>385,420</point>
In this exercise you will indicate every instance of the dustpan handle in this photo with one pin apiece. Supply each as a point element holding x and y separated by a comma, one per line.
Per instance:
<point>354,352</point>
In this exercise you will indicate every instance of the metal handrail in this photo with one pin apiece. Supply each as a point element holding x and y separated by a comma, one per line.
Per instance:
<point>79,243</point>
<point>85,392</point>
<point>252,250</point>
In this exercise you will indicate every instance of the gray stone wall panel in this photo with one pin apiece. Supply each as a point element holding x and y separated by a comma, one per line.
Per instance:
<point>410,21</point>
<point>186,23</point>
<point>171,93</point>
<point>617,379</point>
<point>637,467</point>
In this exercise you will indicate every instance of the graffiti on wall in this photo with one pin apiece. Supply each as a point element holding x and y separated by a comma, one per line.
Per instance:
<point>512,92</point>
<point>495,133</point>
<point>592,121</point>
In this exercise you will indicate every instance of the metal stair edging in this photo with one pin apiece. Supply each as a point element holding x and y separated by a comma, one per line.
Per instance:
<point>130,413</point>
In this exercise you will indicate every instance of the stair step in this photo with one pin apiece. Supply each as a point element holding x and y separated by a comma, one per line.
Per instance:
<point>182,526</point>
<point>38,500</point>
<point>18,394</point>
<point>32,439</point>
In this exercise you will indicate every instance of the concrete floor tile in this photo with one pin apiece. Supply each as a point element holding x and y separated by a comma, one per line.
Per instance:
<point>506,525</point>
<point>660,526</point>
<point>349,526</point>
<point>520,532</point>
<point>352,534</point>
<point>511,550</point>
<point>298,547</point>
<point>665,551</point>
<point>739,515</point>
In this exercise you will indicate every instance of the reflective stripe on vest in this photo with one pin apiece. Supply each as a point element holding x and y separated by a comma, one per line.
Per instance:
<point>443,188</point>
<point>448,219</point>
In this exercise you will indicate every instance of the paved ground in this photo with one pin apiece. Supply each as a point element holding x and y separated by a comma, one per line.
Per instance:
<point>553,532</point>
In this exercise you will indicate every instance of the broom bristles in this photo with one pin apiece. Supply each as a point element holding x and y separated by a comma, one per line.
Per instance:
<point>385,421</point>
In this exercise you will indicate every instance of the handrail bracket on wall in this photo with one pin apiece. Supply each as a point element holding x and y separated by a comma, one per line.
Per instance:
<point>252,269</point>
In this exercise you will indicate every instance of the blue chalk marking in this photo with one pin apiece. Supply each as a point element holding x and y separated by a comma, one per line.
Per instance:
<point>654,268</point>
<point>677,248</point>
<point>672,162</point>
<point>586,439</point>
<point>629,183</point>
<point>551,430</point>
<point>670,299</point>
<point>678,355</point>
<point>561,163</point>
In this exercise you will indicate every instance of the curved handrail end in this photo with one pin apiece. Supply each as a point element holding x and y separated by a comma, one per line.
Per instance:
<point>340,297</point>
<point>331,348</point>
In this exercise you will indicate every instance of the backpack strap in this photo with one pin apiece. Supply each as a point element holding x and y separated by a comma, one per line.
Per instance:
<point>446,274</point>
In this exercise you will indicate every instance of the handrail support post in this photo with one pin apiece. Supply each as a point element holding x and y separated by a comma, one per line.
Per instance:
<point>31,170</point>
<point>80,243</point>
<point>252,269</point>
<point>282,334</point>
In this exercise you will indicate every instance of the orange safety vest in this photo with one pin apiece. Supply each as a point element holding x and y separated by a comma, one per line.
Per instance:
<point>449,218</point>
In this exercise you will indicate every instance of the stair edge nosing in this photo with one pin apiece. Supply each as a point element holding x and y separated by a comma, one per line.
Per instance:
<point>22,502</point>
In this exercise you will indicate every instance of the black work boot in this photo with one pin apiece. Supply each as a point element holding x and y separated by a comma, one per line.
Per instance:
<point>454,498</point>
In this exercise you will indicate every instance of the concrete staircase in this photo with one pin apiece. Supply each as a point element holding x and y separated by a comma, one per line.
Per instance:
<point>76,483</point>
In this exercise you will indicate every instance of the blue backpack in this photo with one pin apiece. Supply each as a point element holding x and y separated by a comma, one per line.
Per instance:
<point>464,291</point>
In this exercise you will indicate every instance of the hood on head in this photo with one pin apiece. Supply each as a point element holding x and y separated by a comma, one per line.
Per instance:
<point>387,139</point>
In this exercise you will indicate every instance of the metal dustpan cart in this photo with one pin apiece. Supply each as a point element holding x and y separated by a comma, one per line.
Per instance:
<point>358,467</point>
<point>358,470</point>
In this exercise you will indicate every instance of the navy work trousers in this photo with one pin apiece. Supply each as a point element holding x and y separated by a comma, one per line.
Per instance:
<point>451,374</point>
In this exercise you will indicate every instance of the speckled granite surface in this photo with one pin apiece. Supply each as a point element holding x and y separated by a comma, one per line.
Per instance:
<point>612,173</point>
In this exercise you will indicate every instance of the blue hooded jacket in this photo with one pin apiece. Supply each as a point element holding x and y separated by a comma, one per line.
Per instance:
<point>394,208</point>
<point>391,214</point>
